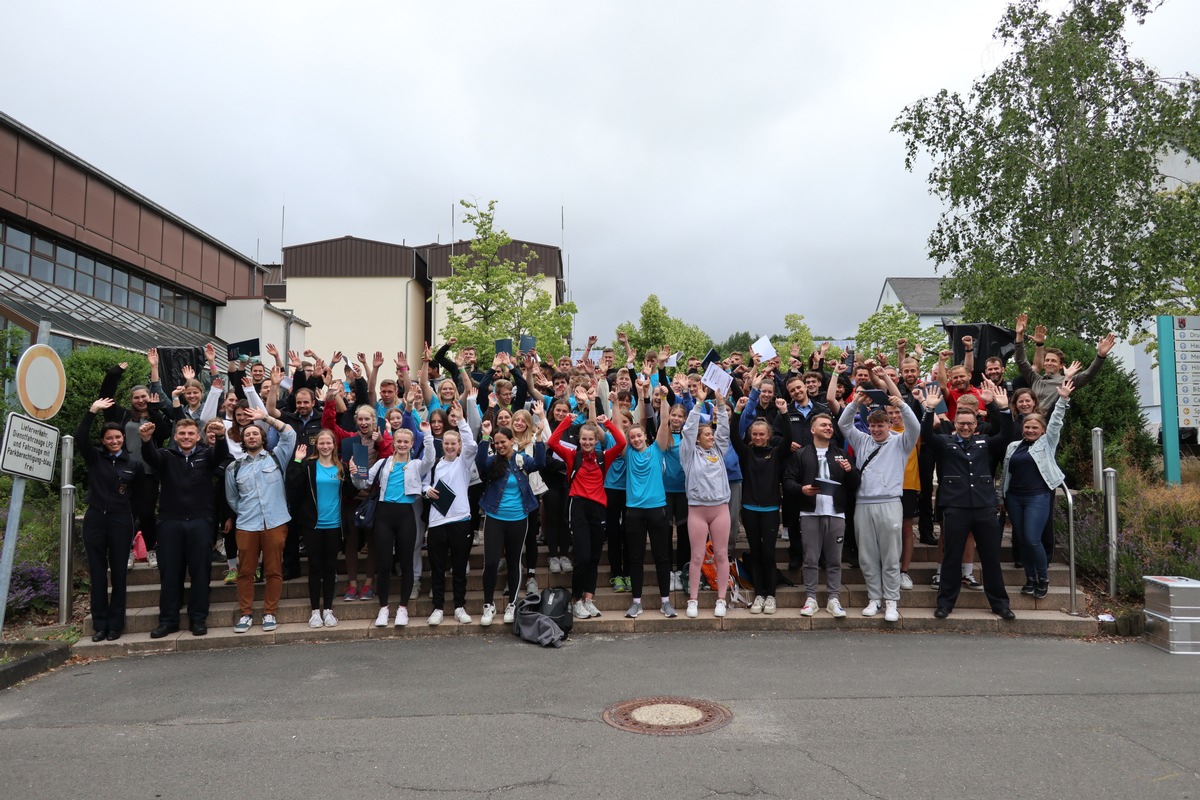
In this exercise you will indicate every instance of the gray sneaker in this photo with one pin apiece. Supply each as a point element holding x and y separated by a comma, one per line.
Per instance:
<point>635,611</point>
<point>668,610</point>
<point>591,608</point>
<point>531,585</point>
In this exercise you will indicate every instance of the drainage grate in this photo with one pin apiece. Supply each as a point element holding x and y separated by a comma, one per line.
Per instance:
<point>667,716</point>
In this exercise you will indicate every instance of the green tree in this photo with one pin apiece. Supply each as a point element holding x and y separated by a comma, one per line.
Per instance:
<point>797,333</point>
<point>656,329</point>
<point>494,298</point>
<point>1052,172</point>
<point>880,332</point>
<point>739,341</point>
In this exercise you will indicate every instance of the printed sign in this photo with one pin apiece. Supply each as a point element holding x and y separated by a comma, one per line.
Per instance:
<point>30,448</point>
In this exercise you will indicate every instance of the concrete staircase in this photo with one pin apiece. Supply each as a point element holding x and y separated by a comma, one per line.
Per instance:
<point>971,615</point>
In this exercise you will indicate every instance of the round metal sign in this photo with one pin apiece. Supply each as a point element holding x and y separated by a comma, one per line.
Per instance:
<point>41,381</point>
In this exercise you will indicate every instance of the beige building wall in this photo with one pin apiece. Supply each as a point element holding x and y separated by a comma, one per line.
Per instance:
<point>360,315</point>
<point>440,305</point>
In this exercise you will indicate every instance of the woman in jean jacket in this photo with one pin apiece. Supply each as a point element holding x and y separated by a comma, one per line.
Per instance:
<point>1029,479</point>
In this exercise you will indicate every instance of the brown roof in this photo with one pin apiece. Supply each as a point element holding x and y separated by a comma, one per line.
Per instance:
<point>348,257</point>
<point>548,262</point>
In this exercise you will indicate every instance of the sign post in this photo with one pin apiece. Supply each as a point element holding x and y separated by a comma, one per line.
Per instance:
<point>1179,385</point>
<point>30,445</point>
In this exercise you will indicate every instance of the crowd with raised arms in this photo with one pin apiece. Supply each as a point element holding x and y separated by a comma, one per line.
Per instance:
<point>603,453</point>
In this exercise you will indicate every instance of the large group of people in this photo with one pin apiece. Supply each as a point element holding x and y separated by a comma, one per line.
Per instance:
<point>605,453</point>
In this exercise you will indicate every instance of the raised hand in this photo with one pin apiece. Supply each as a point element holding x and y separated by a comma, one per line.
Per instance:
<point>1106,344</point>
<point>780,404</point>
<point>218,383</point>
<point>377,360</point>
<point>987,391</point>
<point>741,404</point>
<point>102,404</point>
<point>152,356</point>
<point>272,350</point>
<point>146,430</point>
<point>337,356</point>
<point>901,342</point>
<point>1072,369</point>
<point>294,360</point>
<point>362,358</point>
<point>301,452</point>
<point>247,382</point>
<point>945,355</point>
<point>188,373</point>
<point>210,353</point>
<point>276,375</point>
<point>1065,388</point>
<point>968,342</point>
<point>485,428</point>
<point>178,390</point>
<point>321,392</point>
<point>1001,397</point>
<point>1039,334</point>
<point>932,397</point>
<point>309,354</point>
<point>155,399</point>
<point>401,361</point>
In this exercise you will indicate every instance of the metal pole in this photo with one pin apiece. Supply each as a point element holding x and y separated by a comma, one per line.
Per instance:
<point>1098,459</point>
<point>15,504</point>
<point>66,550</point>
<point>1073,610</point>
<point>1110,517</point>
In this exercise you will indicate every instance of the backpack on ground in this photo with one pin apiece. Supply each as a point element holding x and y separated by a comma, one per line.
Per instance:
<point>532,624</point>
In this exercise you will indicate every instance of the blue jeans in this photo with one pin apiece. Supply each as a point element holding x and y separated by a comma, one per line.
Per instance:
<point>1028,513</point>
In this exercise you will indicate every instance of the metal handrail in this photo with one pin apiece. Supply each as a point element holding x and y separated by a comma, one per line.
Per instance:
<point>1073,610</point>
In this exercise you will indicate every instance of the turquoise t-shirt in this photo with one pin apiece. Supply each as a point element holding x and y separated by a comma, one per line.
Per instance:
<point>673,479</point>
<point>644,478</point>
<point>329,497</point>
<point>512,508</point>
<point>395,487</point>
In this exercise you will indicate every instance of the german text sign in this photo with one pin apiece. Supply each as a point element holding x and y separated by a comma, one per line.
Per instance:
<point>30,448</point>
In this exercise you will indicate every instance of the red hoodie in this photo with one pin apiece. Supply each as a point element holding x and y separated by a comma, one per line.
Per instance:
<point>588,481</point>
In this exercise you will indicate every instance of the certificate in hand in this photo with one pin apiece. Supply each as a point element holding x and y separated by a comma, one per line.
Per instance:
<point>825,486</point>
<point>445,498</point>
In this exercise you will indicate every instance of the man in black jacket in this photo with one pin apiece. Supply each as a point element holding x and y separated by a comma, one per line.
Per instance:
<point>801,410</point>
<point>185,527</point>
<point>967,495</point>
<point>822,516</point>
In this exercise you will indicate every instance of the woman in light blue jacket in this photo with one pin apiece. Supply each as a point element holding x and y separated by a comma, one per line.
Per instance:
<point>1030,477</point>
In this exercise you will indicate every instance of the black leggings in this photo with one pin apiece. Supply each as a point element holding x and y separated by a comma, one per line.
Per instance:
<point>451,543</point>
<point>638,523</point>
<point>677,510</point>
<point>531,546</point>
<point>107,539</point>
<point>323,546</point>
<point>618,559</point>
<point>587,532</point>
<point>558,538</point>
<point>762,528</point>
<point>395,528</point>
<point>502,538</point>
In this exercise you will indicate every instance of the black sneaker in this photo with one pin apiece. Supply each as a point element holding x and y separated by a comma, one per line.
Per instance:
<point>1042,589</point>
<point>970,582</point>
<point>1029,587</point>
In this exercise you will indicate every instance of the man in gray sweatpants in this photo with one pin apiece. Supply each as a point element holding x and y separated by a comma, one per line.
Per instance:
<point>880,457</point>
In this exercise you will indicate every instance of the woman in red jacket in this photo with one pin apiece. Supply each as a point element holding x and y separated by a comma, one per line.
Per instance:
<point>586,499</point>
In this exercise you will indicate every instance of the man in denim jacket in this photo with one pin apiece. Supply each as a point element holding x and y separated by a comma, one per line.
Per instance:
<point>256,493</point>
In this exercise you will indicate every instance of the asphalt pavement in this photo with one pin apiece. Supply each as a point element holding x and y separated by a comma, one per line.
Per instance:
<point>823,715</point>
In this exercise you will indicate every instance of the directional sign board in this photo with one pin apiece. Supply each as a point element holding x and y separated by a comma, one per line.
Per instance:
<point>30,448</point>
<point>1187,370</point>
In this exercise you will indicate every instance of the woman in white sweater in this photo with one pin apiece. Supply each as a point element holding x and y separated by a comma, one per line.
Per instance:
<point>449,533</point>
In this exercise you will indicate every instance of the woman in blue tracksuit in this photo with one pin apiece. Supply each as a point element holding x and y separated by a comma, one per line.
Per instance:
<point>507,503</point>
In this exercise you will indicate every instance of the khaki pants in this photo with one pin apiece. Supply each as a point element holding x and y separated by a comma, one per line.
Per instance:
<point>270,544</point>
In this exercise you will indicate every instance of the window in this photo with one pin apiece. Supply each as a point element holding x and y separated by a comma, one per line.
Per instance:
<point>103,291</point>
<point>137,302</point>
<point>152,308</point>
<point>42,269</point>
<point>137,284</point>
<point>104,271</point>
<point>16,260</point>
<point>84,265</point>
<point>152,290</point>
<point>64,276</point>
<point>120,278</point>
<point>167,313</point>
<point>120,296</point>
<point>17,238</point>
<point>65,257</point>
<point>43,246</point>
<point>84,284</point>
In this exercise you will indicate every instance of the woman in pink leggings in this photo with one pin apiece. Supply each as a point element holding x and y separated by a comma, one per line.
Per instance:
<point>702,456</point>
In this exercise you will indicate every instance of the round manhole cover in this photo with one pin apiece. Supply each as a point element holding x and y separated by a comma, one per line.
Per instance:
<point>667,716</point>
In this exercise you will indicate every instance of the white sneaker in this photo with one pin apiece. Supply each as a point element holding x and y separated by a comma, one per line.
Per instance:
<point>152,558</point>
<point>381,620</point>
<point>531,585</point>
<point>579,610</point>
<point>834,607</point>
<point>591,608</point>
<point>890,614</point>
<point>329,619</point>
<point>416,592</point>
<point>905,581</point>
<point>489,611</point>
<point>769,606</point>
<point>676,581</point>
<point>785,535</point>
<point>565,564</point>
<point>315,620</point>
<point>634,611</point>
<point>555,564</point>
<point>269,623</point>
<point>461,616</point>
<point>810,607</point>
<point>243,624</point>
<point>721,609</point>
<point>872,609</point>
<point>757,606</point>
<point>510,613</point>
<point>693,609</point>
<point>401,617</point>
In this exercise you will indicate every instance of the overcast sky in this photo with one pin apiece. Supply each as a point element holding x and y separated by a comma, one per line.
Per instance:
<point>733,158</point>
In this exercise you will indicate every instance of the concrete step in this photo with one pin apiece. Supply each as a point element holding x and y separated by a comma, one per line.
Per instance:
<point>294,605</point>
<point>914,620</point>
